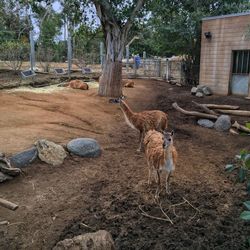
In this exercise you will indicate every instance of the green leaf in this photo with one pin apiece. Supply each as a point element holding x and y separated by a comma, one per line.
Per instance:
<point>242,174</point>
<point>248,124</point>
<point>243,154</point>
<point>245,215</point>
<point>248,187</point>
<point>229,167</point>
<point>247,161</point>
<point>247,204</point>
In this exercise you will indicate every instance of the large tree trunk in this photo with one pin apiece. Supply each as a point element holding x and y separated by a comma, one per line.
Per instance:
<point>110,81</point>
<point>115,33</point>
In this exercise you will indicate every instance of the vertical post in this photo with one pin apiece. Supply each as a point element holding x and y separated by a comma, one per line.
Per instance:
<point>159,67</point>
<point>101,54</point>
<point>69,51</point>
<point>32,51</point>
<point>144,59</point>
<point>167,69</point>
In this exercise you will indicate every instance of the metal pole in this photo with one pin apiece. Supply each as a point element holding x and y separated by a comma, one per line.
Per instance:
<point>32,51</point>
<point>167,69</point>
<point>127,58</point>
<point>144,59</point>
<point>69,51</point>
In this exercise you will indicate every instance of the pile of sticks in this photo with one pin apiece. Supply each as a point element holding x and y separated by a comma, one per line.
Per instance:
<point>212,111</point>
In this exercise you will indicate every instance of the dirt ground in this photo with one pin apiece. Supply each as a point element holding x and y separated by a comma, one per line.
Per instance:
<point>85,195</point>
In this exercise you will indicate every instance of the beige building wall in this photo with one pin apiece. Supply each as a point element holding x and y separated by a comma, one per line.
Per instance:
<point>228,34</point>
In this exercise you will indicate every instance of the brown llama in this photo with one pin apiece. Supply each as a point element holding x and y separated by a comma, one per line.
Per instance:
<point>144,121</point>
<point>78,84</point>
<point>161,156</point>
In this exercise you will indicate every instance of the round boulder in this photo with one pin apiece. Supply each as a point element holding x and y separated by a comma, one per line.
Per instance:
<point>24,158</point>
<point>223,123</point>
<point>100,240</point>
<point>50,152</point>
<point>206,123</point>
<point>84,147</point>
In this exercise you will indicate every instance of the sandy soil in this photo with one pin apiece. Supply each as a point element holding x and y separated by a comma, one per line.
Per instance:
<point>106,193</point>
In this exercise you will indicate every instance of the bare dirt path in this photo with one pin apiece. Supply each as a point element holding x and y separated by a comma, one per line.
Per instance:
<point>105,193</point>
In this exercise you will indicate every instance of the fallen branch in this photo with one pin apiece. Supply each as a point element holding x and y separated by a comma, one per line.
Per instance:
<point>216,106</point>
<point>205,108</point>
<point>6,168</point>
<point>5,222</point>
<point>153,217</point>
<point>193,113</point>
<point>234,112</point>
<point>240,127</point>
<point>233,131</point>
<point>8,204</point>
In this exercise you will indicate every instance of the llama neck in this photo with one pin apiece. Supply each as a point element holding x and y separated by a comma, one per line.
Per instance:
<point>169,163</point>
<point>128,114</point>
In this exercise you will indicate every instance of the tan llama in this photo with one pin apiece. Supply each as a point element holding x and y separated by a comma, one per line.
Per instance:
<point>78,84</point>
<point>161,156</point>
<point>144,121</point>
<point>128,83</point>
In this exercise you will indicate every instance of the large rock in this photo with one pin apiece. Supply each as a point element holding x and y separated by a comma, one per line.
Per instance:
<point>24,158</point>
<point>206,90</point>
<point>84,147</point>
<point>100,240</point>
<point>4,177</point>
<point>193,90</point>
<point>206,123</point>
<point>50,152</point>
<point>223,123</point>
<point>199,94</point>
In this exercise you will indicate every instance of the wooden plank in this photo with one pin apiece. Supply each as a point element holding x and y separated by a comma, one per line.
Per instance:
<point>8,204</point>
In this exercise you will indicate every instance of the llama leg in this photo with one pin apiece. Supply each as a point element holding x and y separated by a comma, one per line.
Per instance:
<point>149,174</point>
<point>157,193</point>
<point>140,142</point>
<point>168,174</point>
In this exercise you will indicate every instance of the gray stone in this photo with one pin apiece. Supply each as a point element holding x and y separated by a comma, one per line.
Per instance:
<point>100,240</point>
<point>199,94</point>
<point>193,90</point>
<point>206,123</point>
<point>4,177</point>
<point>223,123</point>
<point>23,159</point>
<point>85,147</point>
<point>50,152</point>
<point>206,90</point>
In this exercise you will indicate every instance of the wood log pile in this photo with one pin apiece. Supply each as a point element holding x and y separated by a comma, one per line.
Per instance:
<point>213,111</point>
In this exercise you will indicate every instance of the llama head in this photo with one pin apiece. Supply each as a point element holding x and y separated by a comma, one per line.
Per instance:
<point>168,139</point>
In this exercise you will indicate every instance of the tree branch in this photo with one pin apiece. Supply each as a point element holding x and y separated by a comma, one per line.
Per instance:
<point>128,24</point>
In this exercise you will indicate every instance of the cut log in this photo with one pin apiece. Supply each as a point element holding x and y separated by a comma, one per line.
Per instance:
<point>6,168</point>
<point>233,131</point>
<point>193,113</point>
<point>217,106</point>
<point>234,112</point>
<point>240,127</point>
<point>205,108</point>
<point>8,204</point>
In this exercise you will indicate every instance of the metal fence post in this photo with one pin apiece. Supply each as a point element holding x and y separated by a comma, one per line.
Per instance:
<point>144,59</point>
<point>32,51</point>
<point>69,52</point>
